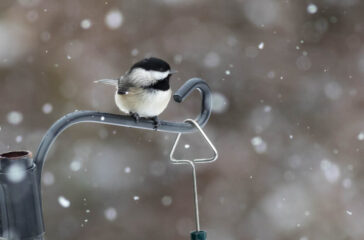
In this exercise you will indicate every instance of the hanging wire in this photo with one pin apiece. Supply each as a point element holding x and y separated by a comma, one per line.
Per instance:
<point>192,164</point>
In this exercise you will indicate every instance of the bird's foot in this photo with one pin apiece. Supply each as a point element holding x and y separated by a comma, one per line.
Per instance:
<point>156,122</point>
<point>135,116</point>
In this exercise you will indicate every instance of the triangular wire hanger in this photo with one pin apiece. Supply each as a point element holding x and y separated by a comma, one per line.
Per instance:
<point>197,160</point>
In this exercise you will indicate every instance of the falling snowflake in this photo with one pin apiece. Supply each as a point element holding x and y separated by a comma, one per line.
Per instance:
<point>312,8</point>
<point>219,103</point>
<point>64,202</point>
<point>47,108</point>
<point>261,45</point>
<point>16,173</point>
<point>127,170</point>
<point>86,23</point>
<point>15,117</point>
<point>110,214</point>
<point>167,201</point>
<point>114,19</point>
<point>259,144</point>
<point>48,178</point>
<point>211,60</point>
<point>19,139</point>
<point>75,166</point>
<point>134,52</point>
<point>361,136</point>
<point>331,170</point>
<point>267,108</point>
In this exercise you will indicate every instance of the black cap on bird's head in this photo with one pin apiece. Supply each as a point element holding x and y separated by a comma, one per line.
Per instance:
<point>151,73</point>
<point>152,64</point>
<point>148,73</point>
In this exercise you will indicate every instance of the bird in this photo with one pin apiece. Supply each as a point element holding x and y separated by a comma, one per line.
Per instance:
<point>144,90</point>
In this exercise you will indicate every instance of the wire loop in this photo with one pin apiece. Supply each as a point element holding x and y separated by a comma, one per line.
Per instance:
<point>197,160</point>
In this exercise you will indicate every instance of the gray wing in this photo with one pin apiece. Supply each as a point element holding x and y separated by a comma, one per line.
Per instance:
<point>121,84</point>
<point>124,86</point>
<point>111,82</point>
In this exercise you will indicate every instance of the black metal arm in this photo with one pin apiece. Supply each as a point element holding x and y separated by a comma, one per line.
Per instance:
<point>127,121</point>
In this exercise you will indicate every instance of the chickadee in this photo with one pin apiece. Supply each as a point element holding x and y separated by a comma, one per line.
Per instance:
<point>144,90</point>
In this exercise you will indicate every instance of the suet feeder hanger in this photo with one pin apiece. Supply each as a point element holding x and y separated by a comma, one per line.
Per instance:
<point>21,214</point>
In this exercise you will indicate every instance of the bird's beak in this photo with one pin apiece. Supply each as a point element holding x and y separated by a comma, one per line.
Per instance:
<point>173,71</point>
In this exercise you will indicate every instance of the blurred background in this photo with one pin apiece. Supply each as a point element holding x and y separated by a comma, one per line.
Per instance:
<point>287,78</point>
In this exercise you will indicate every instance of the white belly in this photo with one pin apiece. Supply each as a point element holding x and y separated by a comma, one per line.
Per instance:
<point>147,104</point>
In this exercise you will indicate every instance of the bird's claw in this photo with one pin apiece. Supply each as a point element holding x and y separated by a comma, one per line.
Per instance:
<point>156,122</point>
<point>135,116</point>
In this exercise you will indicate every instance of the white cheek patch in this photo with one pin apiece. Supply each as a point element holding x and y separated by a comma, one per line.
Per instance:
<point>159,75</point>
<point>141,77</point>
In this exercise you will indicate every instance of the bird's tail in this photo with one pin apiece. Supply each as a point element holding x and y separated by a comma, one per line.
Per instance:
<point>112,82</point>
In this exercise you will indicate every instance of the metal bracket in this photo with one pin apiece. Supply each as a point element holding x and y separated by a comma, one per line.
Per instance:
<point>127,121</point>
<point>23,200</point>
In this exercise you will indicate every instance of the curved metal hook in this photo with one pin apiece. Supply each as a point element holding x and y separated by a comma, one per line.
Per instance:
<point>127,121</point>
